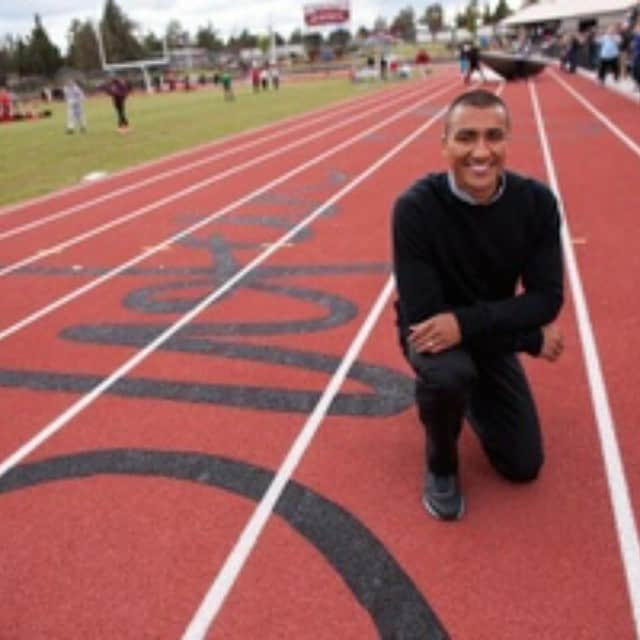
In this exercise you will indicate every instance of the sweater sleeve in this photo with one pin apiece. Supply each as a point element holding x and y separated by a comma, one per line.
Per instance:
<point>542,284</point>
<point>417,281</point>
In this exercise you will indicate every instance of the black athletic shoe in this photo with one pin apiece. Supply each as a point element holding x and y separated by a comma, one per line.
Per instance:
<point>442,497</point>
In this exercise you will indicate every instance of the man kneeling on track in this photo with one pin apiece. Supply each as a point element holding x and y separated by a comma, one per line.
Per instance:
<point>463,240</point>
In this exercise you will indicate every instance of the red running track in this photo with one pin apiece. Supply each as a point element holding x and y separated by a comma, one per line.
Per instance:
<point>117,524</point>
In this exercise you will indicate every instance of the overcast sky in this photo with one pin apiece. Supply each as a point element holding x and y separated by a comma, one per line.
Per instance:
<point>227,17</point>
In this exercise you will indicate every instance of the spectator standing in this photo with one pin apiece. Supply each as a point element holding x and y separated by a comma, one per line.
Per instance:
<point>6,105</point>
<point>118,89</point>
<point>225,79</point>
<point>74,97</point>
<point>473,59</point>
<point>635,54</point>
<point>274,72</point>
<point>609,58</point>
<point>255,78</point>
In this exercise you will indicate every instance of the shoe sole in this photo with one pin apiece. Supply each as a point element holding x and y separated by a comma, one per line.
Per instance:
<point>436,514</point>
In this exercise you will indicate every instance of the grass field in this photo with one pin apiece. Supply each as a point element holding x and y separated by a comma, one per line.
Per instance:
<point>38,156</point>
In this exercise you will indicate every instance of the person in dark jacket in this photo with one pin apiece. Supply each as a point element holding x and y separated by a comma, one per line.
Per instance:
<point>118,89</point>
<point>464,241</point>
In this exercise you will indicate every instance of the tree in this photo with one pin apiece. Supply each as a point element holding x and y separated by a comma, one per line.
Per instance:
<point>363,33</point>
<point>83,53</point>
<point>380,25</point>
<point>117,33</point>
<point>207,38</point>
<point>487,17</point>
<point>339,40</point>
<point>312,43</point>
<point>295,37</point>
<point>177,36</point>
<point>471,15</point>
<point>41,55</point>
<point>245,40</point>
<point>501,11</point>
<point>433,18</point>
<point>152,45</point>
<point>404,25</point>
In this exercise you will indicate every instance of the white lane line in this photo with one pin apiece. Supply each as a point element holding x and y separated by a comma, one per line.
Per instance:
<point>176,195</point>
<point>4,235</point>
<point>217,593</point>
<point>18,207</point>
<point>127,366</point>
<point>598,114</point>
<point>614,467</point>
<point>76,293</point>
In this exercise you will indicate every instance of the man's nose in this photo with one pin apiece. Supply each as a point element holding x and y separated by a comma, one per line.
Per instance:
<point>481,148</point>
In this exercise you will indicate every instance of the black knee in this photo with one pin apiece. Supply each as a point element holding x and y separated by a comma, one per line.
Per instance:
<point>520,470</point>
<point>450,373</point>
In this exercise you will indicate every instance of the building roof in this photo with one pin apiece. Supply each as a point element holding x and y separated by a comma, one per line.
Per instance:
<point>548,10</point>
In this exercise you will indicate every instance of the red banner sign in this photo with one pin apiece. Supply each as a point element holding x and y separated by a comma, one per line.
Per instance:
<point>326,13</point>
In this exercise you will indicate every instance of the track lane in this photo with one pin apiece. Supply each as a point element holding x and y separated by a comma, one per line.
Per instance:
<point>614,401</point>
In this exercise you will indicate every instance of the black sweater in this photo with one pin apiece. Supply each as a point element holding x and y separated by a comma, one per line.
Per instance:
<point>469,259</point>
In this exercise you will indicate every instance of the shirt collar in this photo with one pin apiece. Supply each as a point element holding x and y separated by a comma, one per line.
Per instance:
<point>469,199</point>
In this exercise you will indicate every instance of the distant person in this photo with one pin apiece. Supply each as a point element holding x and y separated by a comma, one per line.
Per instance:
<point>609,58</point>
<point>384,66</point>
<point>225,79</point>
<point>74,97</point>
<point>570,60</point>
<point>264,78</point>
<point>118,89</point>
<point>463,60</point>
<point>274,74</point>
<point>473,58</point>
<point>635,54</point>
<point>6,105</point>
<point>255,79</point>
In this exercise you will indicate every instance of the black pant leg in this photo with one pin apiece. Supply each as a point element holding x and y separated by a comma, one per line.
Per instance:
<point>443,389</point>
<point>119,105</point>
<point>504,416</point>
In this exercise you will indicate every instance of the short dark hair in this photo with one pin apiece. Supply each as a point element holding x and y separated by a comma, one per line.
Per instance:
<point>479,98</point>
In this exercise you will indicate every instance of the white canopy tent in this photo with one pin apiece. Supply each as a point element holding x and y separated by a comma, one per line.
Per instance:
<point>550,10</point>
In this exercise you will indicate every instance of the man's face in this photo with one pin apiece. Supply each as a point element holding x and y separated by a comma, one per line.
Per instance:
<point>475,146</point>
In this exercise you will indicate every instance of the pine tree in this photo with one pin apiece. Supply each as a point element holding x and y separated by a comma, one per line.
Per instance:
<point>117,32</point>
<point>83,46</point>
<point>41,55</point>
<point>501,11</point>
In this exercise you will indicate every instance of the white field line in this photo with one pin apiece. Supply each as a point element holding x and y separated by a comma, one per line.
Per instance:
<point>17,207</point>
<point>130,364</point>
<point>217,593</point>
<point>598,114</point>
<point>76,293</point>
<point>176,195</point>
<point>63,213</point>
<point>614,467</point>
<point>223,583</point>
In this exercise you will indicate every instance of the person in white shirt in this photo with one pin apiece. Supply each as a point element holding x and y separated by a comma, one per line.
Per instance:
<point>609,58</point>
<point>74,97</point>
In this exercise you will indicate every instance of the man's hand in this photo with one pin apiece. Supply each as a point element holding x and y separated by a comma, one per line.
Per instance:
<point>552,343</point>
<point>438,333</point>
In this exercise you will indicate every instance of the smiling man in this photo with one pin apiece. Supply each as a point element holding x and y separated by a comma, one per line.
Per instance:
<point>478,268</point>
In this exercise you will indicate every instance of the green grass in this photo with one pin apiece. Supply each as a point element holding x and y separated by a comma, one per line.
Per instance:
<point>38,156</point>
